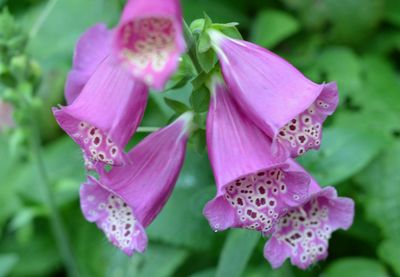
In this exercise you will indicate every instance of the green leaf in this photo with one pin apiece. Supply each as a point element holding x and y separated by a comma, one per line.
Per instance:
<point>355,267</point>
<point>204,43</point>
<point>377,103</point>
<point>342,65</point>
<point>353,20</point>
<point>272,27</point>
<point>380,181</point>
<point>160,261</point>
<point>177,106</point>
<point>210,272</point>
<point>66,19</point>
<point>389,252</point>
<point>200,99</point>
<point>236,253</point>
<point>344,152</point>
<point>7,262</point>
<point>228,29</point>
<point>181,222</point>
<point>59,171</point>
<point>182,76</point>
<point>207,59</point>
<point>36,257</point>
<point>392,11</point>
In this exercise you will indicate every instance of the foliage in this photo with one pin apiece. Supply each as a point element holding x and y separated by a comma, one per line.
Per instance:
<point>355,42</point>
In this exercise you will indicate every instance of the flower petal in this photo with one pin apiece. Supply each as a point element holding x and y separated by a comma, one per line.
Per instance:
<point>147,182</point>
<point>113,216</point>
<point>303,233</point>
<point>92,48</point>
<point>257,186</point>
<point>276,96</point>
<point>106,114</point>
<point>149,40</point>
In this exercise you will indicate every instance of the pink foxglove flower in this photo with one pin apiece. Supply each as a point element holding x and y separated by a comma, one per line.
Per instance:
<point>106,113</point>
<point>149,39</point>
<point>254,188</point>
<point>303,233</point>
<point>127,199</point>
<point>92,48</point>
<point>6,118</point>
<point>276,96</point>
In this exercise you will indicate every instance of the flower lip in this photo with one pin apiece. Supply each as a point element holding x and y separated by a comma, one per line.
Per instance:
<point>303,233</point>
<point>97,145</point>
<point>256,201</point>
<point>112,215</point>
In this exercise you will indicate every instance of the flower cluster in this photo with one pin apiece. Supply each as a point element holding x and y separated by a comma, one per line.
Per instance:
<point>106,93</point>
<point>263,113</point>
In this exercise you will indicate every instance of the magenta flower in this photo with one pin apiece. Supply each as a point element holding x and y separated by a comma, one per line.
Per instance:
<point>92,48</point>
<point>303,233</point>
<point>6,117</point>
<point>276,96</point>
<point>106,113</point>
<point>253,187</point>
<point>149,39</point>
<point>127,199</point>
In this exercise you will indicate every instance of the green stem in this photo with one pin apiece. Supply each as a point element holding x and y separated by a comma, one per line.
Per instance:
<point>146,129</point>
<point>42,18</point>
<point>55,218</point>
<point>191,44</point>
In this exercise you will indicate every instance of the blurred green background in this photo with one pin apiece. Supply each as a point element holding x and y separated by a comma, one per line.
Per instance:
<point>355,42</point>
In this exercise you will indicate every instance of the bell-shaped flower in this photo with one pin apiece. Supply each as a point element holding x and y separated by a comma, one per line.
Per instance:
<point>92,48</point>
<point>303,233</point>
<point>149,39</point>
<point>275,95</point>
<point>254,187</point>
<point>106,113</point>
<point>127,199</point>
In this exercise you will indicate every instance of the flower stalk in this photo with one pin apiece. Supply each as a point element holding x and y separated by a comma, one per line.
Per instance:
<point>58,227</point>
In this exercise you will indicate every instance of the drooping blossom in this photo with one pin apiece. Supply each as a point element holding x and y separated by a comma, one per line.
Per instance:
<point>275,95</point>
<point>254,188</point>
<point>92,48</point>
<point>105,114</point>
<point>6,118</point>
<point>303,233</point>
<point>126,200</point>
<point>149,39</point>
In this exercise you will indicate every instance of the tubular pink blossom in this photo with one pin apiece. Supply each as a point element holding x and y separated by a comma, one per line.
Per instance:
<point>149,39</point>
<point>276,96</point>
<point>127,199</point>
<point>106,113</point>
<point>92,48</point>
<point>303,233</point>
<point>253,187</point>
